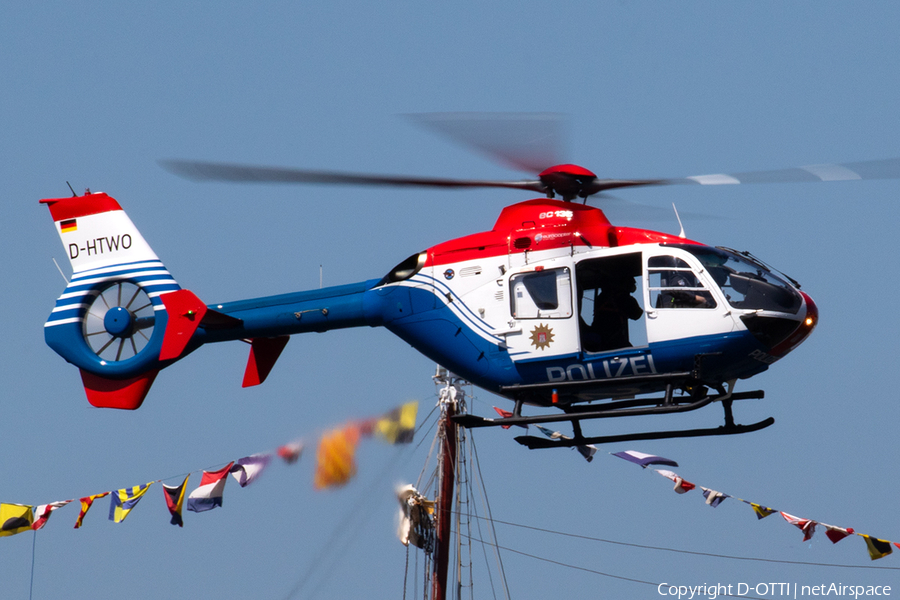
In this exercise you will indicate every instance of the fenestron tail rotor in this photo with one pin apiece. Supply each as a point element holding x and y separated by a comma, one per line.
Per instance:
<point>119,321</point>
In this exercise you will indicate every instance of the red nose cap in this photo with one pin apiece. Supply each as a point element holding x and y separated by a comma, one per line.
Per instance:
<point>808,323</point>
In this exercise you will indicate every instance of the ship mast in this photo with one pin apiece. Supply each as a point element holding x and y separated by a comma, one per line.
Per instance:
<point>451,394</point>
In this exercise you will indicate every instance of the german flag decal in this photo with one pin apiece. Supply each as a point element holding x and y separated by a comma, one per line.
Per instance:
<point>68,225</point>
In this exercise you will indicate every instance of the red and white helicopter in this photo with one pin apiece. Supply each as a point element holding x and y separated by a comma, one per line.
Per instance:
<point>554,306</point>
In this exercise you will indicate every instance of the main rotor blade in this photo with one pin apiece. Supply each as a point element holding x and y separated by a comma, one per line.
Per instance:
<point>528,142</point>
<point>888,168</point>
<point>209,171</point>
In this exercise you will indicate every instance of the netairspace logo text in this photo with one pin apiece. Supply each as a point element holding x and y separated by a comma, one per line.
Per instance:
<point>774,590</point>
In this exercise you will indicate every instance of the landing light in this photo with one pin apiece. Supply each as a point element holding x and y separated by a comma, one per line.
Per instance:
<point>809,321</point>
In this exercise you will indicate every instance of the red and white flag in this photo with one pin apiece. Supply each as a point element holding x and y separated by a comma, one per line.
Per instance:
<point>209,495</point>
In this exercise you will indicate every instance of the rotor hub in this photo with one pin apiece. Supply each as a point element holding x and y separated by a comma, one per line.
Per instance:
<point>119,322</point>
<point>569,181</point>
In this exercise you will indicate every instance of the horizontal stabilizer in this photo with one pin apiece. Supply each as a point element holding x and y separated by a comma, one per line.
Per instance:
<point>126,394</point>
<point>263,354</point>
<point>213,319</point>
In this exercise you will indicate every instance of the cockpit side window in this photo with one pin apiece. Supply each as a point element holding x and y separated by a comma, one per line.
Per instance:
<point>673,284</point>
<point>745,283</point>
<point>545,294</point>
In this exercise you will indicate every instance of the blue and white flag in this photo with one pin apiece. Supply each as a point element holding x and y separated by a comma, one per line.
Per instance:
<point>586,450</point>
<point>247,469</point>
<point>642,459</point>
<point>713,498</point>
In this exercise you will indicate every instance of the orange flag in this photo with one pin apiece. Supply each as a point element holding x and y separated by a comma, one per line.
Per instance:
<point>86,503</point>
<point>335,465</point>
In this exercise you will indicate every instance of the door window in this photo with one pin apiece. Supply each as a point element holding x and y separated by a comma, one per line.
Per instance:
<point>545,294</point>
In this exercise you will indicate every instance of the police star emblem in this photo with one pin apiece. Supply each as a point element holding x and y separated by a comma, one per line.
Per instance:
<point>541,337</point>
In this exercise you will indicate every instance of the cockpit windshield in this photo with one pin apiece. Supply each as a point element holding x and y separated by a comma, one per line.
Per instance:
<point>746,283</point>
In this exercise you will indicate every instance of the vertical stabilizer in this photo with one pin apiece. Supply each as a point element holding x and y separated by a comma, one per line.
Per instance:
<point>96,233</point>
<point>110,319</point>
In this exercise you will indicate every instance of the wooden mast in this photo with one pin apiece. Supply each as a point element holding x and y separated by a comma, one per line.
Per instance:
<point>447,474</point>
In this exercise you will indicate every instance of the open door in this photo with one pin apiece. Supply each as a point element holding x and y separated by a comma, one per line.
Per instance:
<point>611,303</point>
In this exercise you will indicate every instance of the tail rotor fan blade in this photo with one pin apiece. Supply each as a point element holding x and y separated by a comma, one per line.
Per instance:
<point>124,333</point>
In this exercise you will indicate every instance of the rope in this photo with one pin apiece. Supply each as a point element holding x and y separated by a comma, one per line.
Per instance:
<point>33,544</point>
<point>406,573</point>
<point>678,551</point>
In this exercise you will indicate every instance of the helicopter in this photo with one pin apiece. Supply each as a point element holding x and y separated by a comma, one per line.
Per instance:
<point>553,307</point>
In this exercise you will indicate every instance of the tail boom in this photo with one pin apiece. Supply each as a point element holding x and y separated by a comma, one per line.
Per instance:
<point>123,317</point>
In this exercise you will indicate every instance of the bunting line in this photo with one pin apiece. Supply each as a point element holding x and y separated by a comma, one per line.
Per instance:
<point>878,548</point>
<point>394,427</point>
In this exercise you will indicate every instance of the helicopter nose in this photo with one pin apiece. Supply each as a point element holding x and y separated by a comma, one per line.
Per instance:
<point>806,326</point>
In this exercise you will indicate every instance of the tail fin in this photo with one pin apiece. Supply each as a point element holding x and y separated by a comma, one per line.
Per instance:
<point>110,321</point>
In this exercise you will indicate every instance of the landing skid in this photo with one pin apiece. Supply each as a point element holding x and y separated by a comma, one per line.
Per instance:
<point>577,414</point>
<point>535,442</point>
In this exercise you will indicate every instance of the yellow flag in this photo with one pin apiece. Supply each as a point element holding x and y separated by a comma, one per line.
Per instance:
<point>877,548</point>
<point>398,426</point>
<point>15,518</point>
<point>124,500</point>
<point>335,464</point>
<point>762,511</point>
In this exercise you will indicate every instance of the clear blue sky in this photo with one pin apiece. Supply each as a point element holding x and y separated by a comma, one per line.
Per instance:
<point>95,94</point>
